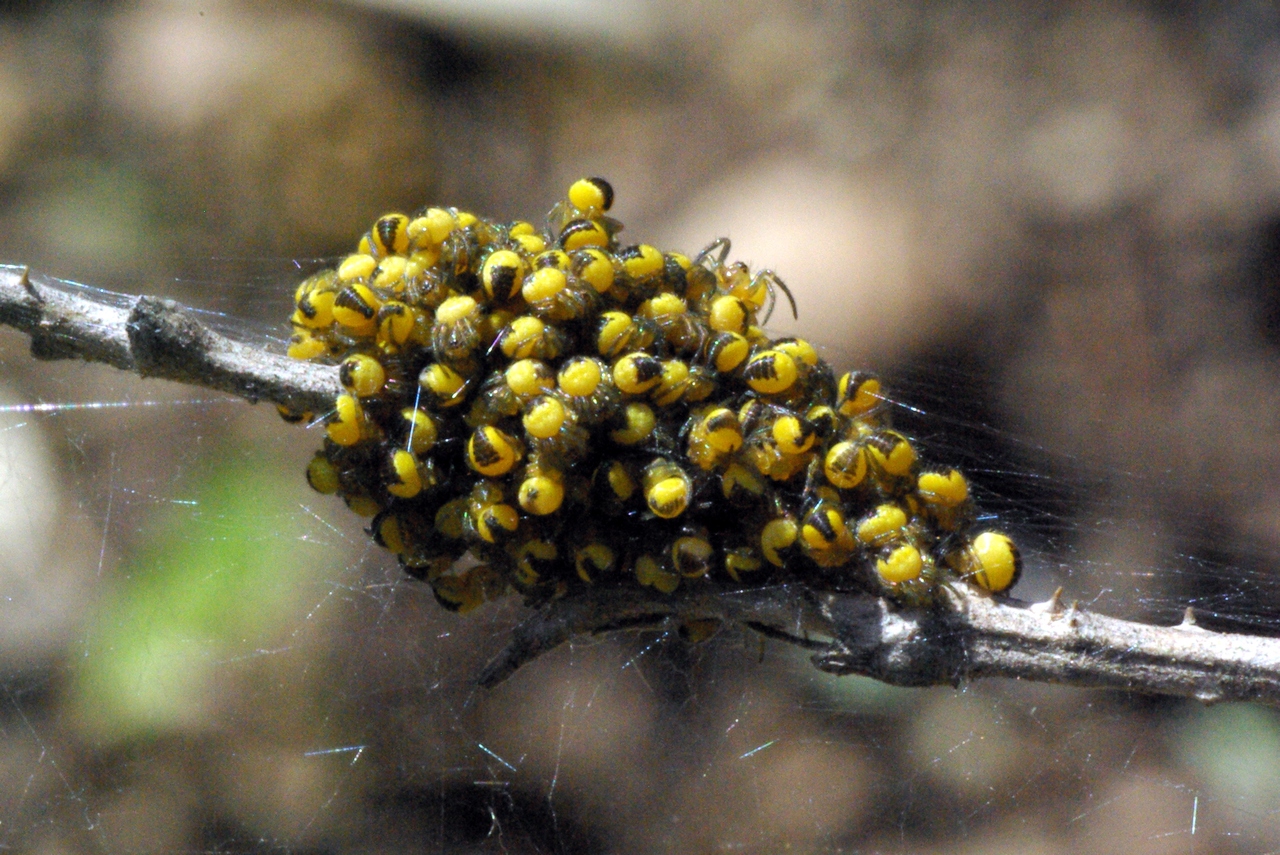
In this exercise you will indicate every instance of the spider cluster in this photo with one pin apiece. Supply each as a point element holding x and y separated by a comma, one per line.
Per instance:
<point>537,409</point>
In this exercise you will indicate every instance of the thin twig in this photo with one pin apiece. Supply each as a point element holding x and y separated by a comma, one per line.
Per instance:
<point>967,636</point>
<point>155,338</point>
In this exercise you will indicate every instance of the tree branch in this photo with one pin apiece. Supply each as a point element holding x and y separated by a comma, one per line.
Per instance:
<point>154,338</point>
<point>966,637</point>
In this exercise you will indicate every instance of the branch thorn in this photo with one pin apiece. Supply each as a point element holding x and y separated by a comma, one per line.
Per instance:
<point>1051,606</point>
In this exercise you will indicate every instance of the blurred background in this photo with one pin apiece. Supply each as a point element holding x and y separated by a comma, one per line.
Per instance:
<point>1055,227</point>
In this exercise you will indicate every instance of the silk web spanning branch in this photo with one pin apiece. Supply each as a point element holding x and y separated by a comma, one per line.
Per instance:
<point>965,635</point>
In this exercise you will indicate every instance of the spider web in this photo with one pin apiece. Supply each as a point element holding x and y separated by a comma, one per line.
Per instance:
<point>200,654</point>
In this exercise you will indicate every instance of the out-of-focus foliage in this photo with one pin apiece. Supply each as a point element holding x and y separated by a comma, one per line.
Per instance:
<point>212,583</point>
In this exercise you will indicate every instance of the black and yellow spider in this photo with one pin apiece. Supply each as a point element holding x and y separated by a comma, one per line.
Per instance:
<point>568,411</point>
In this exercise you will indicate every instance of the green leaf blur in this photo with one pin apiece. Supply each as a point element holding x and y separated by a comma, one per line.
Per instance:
<point>218,584</point>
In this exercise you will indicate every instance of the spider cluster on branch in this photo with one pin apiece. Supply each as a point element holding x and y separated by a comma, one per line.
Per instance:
<point>539,410</point>
<point>607,430</point>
